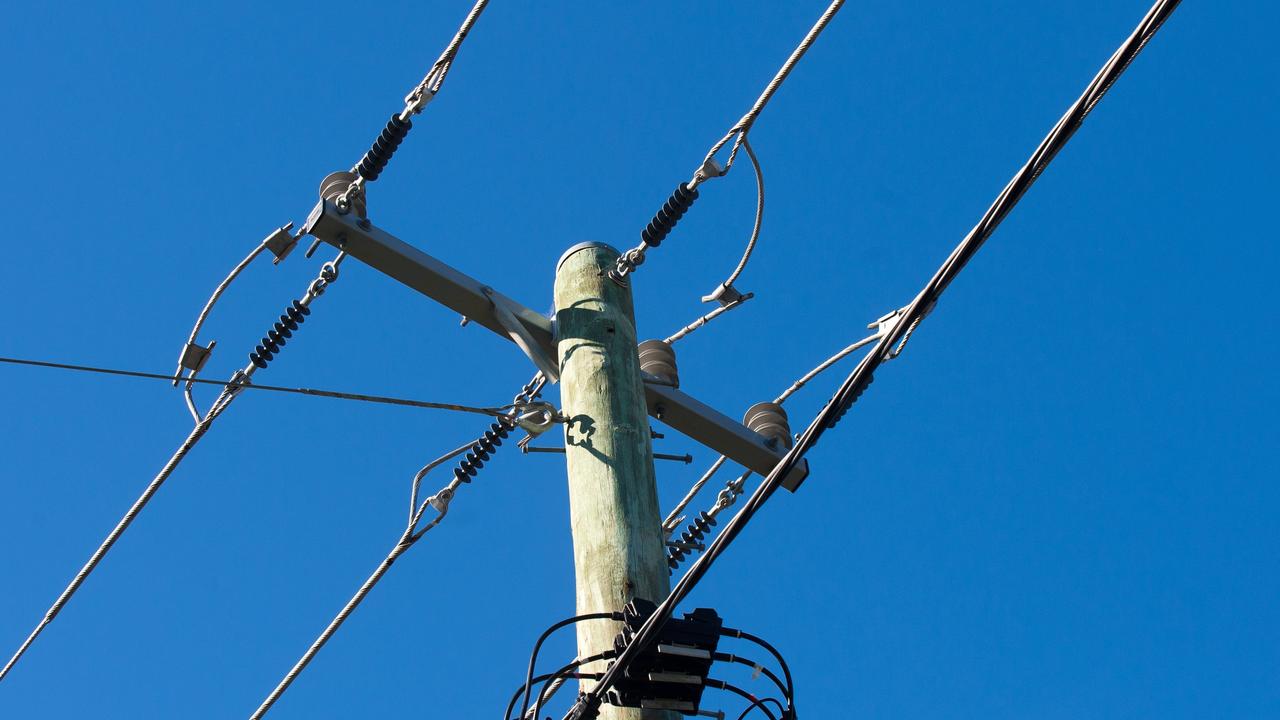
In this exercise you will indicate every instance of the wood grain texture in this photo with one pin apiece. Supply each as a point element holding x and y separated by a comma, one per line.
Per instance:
<point>618,550</point>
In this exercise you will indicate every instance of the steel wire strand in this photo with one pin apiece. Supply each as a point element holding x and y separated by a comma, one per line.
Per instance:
<point>686,193</point>
<point>311,392</point>
<point>328,274</point>
<point>217,293</point>
<point>825,364</point>
<point>743,126</point>
<point>674,518</point>
<point>411,535</point>
<point>742,264</point>
<point>192,438</point>
<point>858,380</point>
<point>755,229</point>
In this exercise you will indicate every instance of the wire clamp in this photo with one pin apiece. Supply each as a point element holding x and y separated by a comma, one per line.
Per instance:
<point>536,418</point>
<point>281,242</point>
<point>726,295</point>
<point>194,356</point>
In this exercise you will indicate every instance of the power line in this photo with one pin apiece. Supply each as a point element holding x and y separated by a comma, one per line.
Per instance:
<point>861,377</point>
<point>380,399</point>
<point>686,193</point>
<point>535,419</point>
<point>230,391</point>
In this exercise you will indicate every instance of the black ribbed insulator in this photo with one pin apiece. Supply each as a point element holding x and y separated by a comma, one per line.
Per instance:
<point>384,147</point>
<point>674,209</point>
<point>480,451</point>
<point>692,535</point>
<point>294,315</point>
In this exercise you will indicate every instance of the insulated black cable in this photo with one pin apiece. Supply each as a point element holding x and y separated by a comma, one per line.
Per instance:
<point>537,647</point>
<point>515,696</point>
<point>562,672</point>
<point>782,662</point>
<point>861,377</point>
<point>755,666</point>
<point>755,702</point>
<point>760,704</point>
<point>382,399</point>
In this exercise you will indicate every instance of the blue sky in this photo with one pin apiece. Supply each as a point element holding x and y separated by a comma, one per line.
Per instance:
<point>1060,502</point>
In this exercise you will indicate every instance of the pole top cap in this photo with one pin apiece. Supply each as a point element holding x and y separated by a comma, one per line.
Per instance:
<point>584,246</point>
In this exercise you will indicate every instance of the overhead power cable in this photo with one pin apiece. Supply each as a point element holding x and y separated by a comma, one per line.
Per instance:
<point>535,418</point>
<point>242,385</point>
<point>397,128</point>
<point>858,380</point>
<point>537,648</point>
<point>687,192</point>
<point>328,274</point>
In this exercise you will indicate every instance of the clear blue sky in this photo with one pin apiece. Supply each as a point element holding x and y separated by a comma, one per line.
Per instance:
<point>1059,503</point>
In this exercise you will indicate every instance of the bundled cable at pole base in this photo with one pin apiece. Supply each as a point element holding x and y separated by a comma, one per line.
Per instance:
<point>670,672</point>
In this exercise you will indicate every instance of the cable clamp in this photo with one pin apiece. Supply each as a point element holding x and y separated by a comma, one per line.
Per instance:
<point>536,418</point>
<point>419,97</point>
<point>709,169</point>
<point>440,501</point>
<point>194,357</point>
<point>281,242</point>
<point>726,295</point>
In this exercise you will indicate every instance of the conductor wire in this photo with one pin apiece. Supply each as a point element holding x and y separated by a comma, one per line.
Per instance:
<point>230,391</point>
<point>311,392</point>
<point>477,453</point>
<point>861,376</point>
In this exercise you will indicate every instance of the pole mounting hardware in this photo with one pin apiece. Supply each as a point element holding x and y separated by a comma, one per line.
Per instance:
<point>519,335</point>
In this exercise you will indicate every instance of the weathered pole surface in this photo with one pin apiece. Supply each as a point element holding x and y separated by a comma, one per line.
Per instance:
<point>618,548</point>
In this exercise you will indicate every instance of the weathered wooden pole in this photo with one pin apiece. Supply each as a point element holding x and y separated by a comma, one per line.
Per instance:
<point>618,548</point>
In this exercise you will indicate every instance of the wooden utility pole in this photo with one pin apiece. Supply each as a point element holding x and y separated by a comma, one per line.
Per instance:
<point>618,548</point>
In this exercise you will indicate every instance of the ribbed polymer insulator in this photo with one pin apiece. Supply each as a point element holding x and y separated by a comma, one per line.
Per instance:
<point>692,535</point>
<point>770,420</point>
<point>481,449</point>
<point>658,358</point>
<point>271,343</point>
<point>666,218</point>
<point>384,147</point>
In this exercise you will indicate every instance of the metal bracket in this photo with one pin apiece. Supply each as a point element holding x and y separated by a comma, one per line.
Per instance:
<point>281,243</point>
<point>726,295</point>
<point>520,336</point>
<point>195,356</point>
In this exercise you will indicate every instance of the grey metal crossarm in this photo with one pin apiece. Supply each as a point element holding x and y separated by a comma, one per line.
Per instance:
<point>486,307</point>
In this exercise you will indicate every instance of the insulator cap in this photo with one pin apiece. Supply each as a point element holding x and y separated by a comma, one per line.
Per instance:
<point>658,358</point>
<point>335,185</point>
<point>769,420</point>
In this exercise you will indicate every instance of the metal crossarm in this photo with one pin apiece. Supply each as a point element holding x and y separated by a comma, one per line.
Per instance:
<point>480,303</point>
